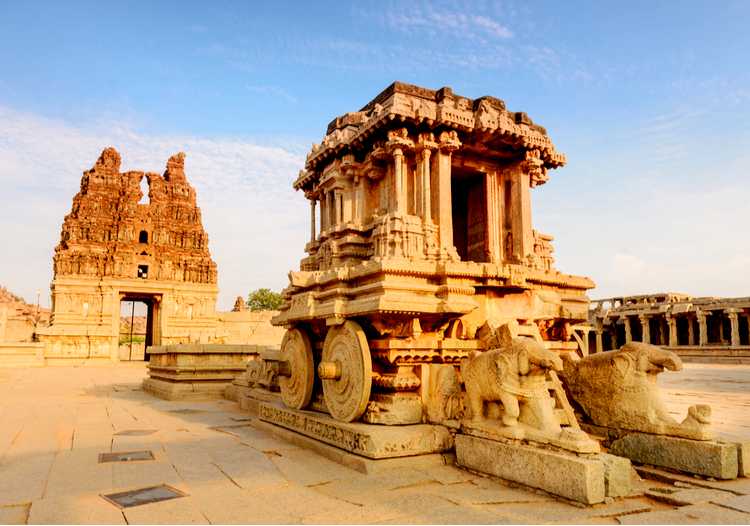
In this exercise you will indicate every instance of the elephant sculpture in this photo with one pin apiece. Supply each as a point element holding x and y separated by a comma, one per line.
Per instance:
<point>508,374</point>
<point>617,389</point>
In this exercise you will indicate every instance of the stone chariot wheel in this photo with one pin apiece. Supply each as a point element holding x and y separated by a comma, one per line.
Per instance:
<point>297,371</point>
<point>346,371</point>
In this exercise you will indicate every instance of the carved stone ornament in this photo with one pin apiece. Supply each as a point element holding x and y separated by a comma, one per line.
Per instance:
<point>346,371</point>
<point>508,395</point>
<point>297,372</point>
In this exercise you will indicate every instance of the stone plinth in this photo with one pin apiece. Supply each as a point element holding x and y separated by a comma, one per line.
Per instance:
<point>195,371</point>
<point>21,354</point>
<point>367,440</point>
<point>699,457</point>
<point>578,478</point>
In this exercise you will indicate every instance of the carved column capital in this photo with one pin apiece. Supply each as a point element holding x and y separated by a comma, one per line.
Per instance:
<point>426,143</point>
<point>732,312</point>
<point>399,141</point>
<point>449,142</point>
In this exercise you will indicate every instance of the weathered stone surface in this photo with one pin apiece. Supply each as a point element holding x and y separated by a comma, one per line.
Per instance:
<point>743,459</point>
<point>701,457</point>
<point>739,486</point>
<point>570,476</point>
<point>352,460</point>
<point>372,441</point>
<point>739,503</point>
<point>88,509</point>
<point>693,514</point>
<point>617,475</point>
<point>18,514</point>
<point>683,497</point>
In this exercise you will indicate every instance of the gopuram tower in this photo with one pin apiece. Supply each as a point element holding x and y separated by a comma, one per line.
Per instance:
<point>119,243</point>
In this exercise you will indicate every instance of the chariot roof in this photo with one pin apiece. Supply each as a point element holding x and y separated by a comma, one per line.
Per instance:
<point>484,122</point>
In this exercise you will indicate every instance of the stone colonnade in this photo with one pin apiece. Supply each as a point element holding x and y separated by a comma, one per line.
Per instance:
<point>712,327</point>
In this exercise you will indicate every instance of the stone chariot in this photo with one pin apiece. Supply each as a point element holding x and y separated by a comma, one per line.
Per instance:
<point>425,245</point>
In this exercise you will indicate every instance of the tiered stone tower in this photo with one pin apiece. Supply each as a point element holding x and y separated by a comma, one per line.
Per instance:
<point>114,247</point>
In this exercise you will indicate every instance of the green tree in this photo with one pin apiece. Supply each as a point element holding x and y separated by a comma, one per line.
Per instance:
<point>264,299</point>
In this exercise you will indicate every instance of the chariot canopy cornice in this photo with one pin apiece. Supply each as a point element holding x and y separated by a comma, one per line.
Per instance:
<point>483,123</point>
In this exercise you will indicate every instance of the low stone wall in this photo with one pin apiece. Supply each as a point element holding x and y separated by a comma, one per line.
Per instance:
<point>249,327</point>
<point>195,371</point>
<point>21,354</point>
<point>720,354</point>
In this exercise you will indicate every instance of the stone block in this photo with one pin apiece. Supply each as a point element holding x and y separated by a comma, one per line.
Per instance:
<point>183,390</point>
<point>743,459</point>
<point>574,477</point>
<point>371,441</point>
<point>617,473</point>
<point>699,457</point>
<point>351,460</point>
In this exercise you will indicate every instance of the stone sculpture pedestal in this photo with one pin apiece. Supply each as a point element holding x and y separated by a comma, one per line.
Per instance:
<point>586,478</point>
<point>708,458</point>
<point>367,440</point>
<point>195,371</point>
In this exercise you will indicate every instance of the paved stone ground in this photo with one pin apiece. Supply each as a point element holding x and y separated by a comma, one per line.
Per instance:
<point>54,422</point>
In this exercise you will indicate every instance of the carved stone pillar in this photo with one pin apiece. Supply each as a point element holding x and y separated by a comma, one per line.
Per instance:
<point>691,332</point>
<point>672,322</point>
<point>628,332</point>
<point>732,314</point>
<point>329,211</point>
<point>613,337</point>
<point>359,215</point>
<point>425,146</point>
<point>399,181</point>
<point>645,329</point>
<point>312,219</point>
<point>599,342</point>
<point>493,209</point>
<point>442,206</point>
<point>702,328</point>
<point>339,196</point>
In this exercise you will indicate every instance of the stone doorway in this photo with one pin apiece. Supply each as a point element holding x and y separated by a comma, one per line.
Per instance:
<point>469,215</point>
<point>138,326</point>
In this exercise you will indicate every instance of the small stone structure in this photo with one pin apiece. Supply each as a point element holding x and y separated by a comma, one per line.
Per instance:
<point>114,247</point>
<point>704,329</point>
<point>196,371</point>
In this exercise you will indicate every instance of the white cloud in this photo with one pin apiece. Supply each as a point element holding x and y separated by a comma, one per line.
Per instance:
<point>274,91</point>
<point>257,224</point>
<point>430,18</point>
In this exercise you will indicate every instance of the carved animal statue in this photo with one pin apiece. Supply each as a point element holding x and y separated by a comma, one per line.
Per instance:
<point>506,374</point>
<point>618,389</point>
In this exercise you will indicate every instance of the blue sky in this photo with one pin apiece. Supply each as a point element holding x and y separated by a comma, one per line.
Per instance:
<point>650,101</point>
